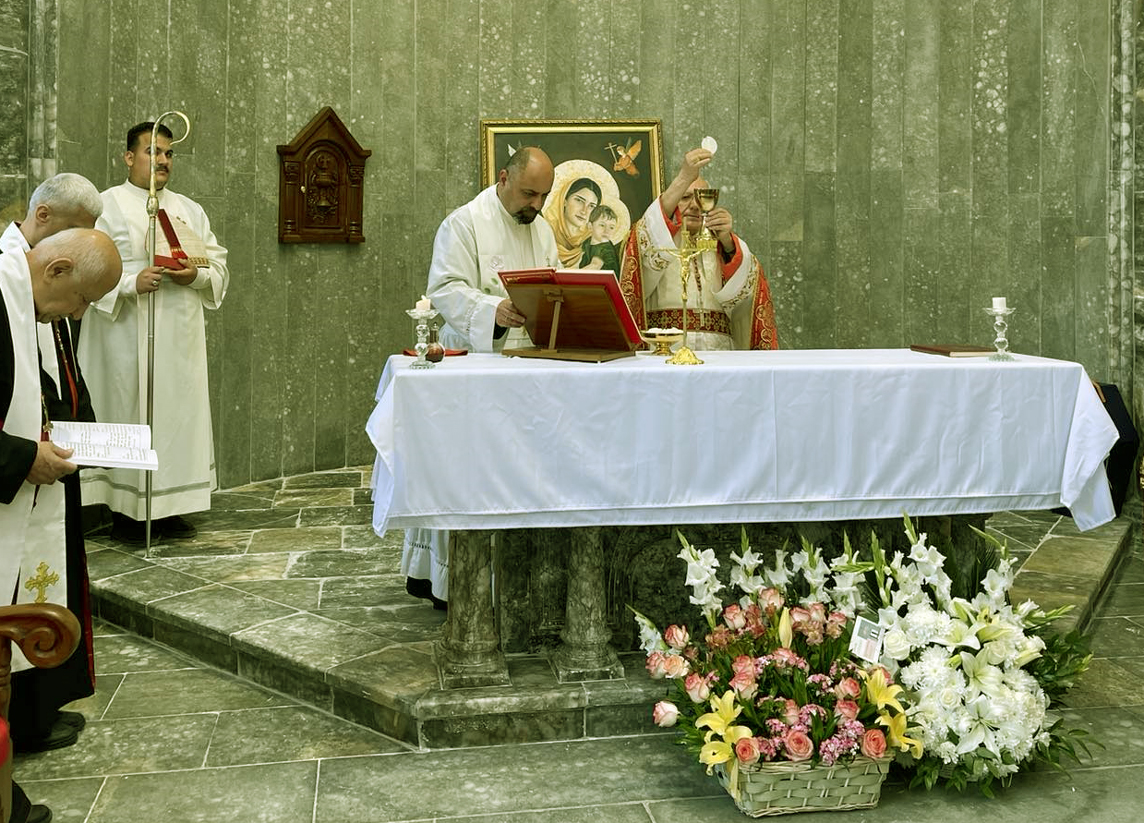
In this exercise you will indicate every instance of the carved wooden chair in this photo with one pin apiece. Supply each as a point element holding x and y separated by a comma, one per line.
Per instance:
<point>47,635</point>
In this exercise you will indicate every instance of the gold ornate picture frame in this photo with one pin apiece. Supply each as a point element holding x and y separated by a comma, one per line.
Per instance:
<point>623,158</point>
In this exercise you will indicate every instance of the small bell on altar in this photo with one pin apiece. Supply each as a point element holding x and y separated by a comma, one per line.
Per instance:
<point>436,352</point>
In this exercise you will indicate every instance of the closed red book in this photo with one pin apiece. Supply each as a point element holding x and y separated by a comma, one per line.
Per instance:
<point>952,350</point>
<point>176,243</point>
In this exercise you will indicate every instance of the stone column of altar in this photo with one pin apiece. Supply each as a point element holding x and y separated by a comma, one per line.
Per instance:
<point>469,652</point>
<point>584,653</point>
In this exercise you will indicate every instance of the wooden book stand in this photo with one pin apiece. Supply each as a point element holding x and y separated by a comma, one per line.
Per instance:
<point>571,322</point>
<point>572,314</point>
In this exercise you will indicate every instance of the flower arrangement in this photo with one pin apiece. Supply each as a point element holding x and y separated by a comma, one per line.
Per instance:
<point>973,664</point>
<point>771,680</point>
<point>960,693</point>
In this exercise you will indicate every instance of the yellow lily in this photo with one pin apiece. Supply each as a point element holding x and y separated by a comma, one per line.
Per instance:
<point>896,733</point>
<point>882,693</point>
<point>723,712</point>
<point>721,751</point>
<point>719,722</point>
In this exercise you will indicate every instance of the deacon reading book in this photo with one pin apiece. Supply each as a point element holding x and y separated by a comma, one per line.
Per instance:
<point>110,445</point>
<point>953,350</point>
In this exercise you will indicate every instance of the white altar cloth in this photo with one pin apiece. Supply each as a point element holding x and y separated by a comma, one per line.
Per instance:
<point>487,442</point>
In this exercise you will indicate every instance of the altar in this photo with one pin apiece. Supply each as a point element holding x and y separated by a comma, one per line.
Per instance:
<point>484,443</point>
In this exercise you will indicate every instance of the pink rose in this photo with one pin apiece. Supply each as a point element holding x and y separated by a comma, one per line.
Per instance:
<point>720,637</point>
<point>771,600</point>
<point>697,687</point>
<point>665,713</point>
<point>744,685</point>
<point>846,709</point>
<point>785,657</point>
<point>874,743</point>
<point>799,618</point>
<point>743,664</point>
<point>818,613</point>
<point>747,750</point>
<point>676,637</point>
<point>798,745</point>
<point>654,665</point>
<point>848,687</point>
<point>674,666</point>
<point>835,624</point>
<point>756,623</point>
<point>734,617</point>
<point>790,711</point>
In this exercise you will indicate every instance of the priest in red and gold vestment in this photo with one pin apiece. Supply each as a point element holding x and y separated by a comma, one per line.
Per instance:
<point>728,299</point>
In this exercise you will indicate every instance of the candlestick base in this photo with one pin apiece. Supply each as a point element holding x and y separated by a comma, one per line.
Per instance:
<point>684,357</point>
<point>1000,326</point>
<point>422,317</point>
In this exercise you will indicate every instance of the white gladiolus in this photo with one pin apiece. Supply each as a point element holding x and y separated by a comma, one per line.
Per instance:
<point>777,576</point>
<point>701,566</point>
<point>651,640</point>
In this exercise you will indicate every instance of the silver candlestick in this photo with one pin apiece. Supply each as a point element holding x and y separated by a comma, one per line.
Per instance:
<point>422,316</point>
<point>1000,326</point>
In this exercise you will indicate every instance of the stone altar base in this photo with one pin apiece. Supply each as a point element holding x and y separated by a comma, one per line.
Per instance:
<point>287,585</point>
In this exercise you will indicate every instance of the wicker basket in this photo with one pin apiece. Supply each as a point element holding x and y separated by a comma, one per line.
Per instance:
<point>784,787</point>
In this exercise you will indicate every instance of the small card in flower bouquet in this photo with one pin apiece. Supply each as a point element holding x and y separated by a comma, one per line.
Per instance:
<point>866,640</point>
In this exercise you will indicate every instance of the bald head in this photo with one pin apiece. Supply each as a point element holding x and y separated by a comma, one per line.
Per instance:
<point>525,182</point>
<point>64,201</point>
<point>70,270</point>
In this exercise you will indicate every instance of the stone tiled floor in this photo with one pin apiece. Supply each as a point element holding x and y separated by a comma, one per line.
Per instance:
<point>173,738</point>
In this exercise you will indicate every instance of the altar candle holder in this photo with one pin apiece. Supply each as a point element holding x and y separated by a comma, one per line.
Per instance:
<point>1000,326</point>
<point>422,316</point>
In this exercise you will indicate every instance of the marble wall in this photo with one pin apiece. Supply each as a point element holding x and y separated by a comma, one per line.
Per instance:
<point>14,34</point>
<point>894,164</point>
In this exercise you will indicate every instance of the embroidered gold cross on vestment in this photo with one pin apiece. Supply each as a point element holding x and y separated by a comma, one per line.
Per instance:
<point>44,577</point>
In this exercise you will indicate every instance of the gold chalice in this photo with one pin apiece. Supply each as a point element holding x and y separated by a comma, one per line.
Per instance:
<point>706,199</point>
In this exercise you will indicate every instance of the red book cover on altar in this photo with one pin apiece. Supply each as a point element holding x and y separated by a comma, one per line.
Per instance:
<point>574,314</point>
<point>176,243</point>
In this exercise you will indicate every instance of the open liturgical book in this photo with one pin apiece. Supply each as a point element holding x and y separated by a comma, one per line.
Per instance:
<point>572,314</point>
<point>176,243</point>
<point>110,445</point>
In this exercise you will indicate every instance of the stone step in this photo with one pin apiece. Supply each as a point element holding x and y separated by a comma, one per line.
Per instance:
<point>286,585</point>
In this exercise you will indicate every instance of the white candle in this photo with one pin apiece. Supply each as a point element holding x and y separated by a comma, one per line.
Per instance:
<point>424,304</point>
<point>999,304</point>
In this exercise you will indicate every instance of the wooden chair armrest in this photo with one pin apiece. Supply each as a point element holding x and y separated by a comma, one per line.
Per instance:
<point>47,634</point>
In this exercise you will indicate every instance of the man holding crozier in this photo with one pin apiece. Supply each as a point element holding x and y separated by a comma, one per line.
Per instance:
<point>113,350</point>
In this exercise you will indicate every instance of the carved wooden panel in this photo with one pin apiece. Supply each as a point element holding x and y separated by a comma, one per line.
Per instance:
<point>320,184</point>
